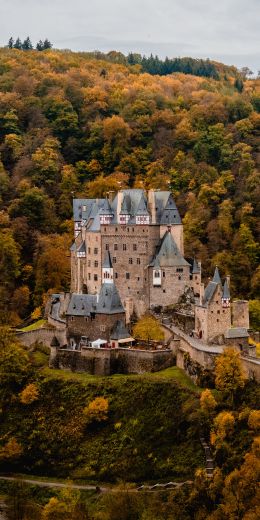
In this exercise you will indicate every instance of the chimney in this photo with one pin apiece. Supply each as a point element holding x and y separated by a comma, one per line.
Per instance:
<point>151,205</point>
<point>201,292</point>
<point>119,203</point>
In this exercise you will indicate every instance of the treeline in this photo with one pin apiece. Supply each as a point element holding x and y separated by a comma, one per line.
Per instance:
<point>27,45</point>
<point>70,123</point>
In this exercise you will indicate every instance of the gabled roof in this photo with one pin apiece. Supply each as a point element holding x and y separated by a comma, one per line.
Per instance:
<point>216,278</point>
<point>142,208</point>
<point>106,208</point>
<point>107,262</point>
<point>124,208</point>
<point>195,267</point>
<point>226,291</point>
<point>82,304</point>
<point>120,331</point>
<point>170,214</point>
<point>109,300</point>
<point>169,254</point>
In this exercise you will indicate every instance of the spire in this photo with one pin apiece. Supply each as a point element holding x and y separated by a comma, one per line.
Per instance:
<point>216,277</point>
<point>107,264</point>
<point>107,269</point>
<point>195,267</point>
<point>226,291</point>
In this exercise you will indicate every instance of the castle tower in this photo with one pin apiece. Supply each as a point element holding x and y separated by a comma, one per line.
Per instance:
<point>226,295</point>
<point>196,277</point>
<point>107,270</point>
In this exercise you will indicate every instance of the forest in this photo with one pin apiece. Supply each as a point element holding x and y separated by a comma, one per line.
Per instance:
<point>82,124</point>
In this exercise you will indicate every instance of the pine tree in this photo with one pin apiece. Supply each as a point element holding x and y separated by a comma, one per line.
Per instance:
<point>27,44</point>
<point>11,43</point>
<point>40,45</point>
<point>18,44</point>
<point>47,44</point>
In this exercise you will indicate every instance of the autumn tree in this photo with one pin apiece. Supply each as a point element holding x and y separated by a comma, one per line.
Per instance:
<point>29,394</point>
<point>229,375</point>
<point>97,410</point>
<point>148,329</point>
<point>14,363</point>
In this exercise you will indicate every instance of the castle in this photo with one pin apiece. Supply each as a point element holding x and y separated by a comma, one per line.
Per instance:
<point>144,235</point>
<point>133,241</point>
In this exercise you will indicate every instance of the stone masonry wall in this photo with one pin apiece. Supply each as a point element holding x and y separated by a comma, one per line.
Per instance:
<point>98,327</point>
<point>42,335</point>
<point>111,361</point>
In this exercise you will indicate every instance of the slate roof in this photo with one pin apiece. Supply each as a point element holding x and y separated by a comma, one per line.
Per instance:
<point>209,292</point>
<point>216,278</point>
<point>106,208</point>
<point>82,247</point>
<point>107,262</point>
<point>142,207</point>
<point>226,291</point>
<point>195,267</point>
<point>73,247</point>
<point>82,304</point>
<point>170,214</point>
<point>168,253</point>
<point>236,332</point>
<point>119,331</point>
<point>109,300</point>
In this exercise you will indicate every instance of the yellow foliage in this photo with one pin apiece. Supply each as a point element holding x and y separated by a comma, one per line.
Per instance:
<point>148,328</point>
<point>11,450</point>
<point>97,410</point>
<point>36,314</point>
<point>229,375</point>
<point>224,424</point>
<point>254,420</point>
<point>207,401</point>
<point>29,394</point>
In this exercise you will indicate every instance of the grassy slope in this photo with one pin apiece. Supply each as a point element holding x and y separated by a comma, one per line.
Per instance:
<point>36,325</point>
<point>150,433</point>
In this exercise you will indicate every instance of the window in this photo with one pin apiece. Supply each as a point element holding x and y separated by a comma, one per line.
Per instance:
<point>116,275</point>
<point>134,247</point>
<point>130,260</point>
<point>102,328</point>
<point>95,250</point>
<point>107,247</point>
<point>115,247</point>
<point>84,208</point>
<point>89,263</point>
<point>114,259</point>
<point>96,263</point>
<point>127,275</point>
<point>89,250</point>
<point>218,312</point>
<point>157,274</point>
<point>72,318</point>
<point>163,274</point>
<point>179,277</point>
<point>179,270</point>
<point>163,290</point>
<point>116,229</point>
<point>89,276</point>
<point>95,277</point>
<point>124,247</point>
<point>138,261</point>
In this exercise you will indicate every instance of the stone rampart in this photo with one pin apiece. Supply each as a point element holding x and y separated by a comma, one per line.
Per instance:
<point>43,335</point>
<point>111,361</point>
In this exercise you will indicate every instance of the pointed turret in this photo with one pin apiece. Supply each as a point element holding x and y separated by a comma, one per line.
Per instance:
<point>226,294</point>
<point>195,267</point>
<point>216,278</point>
<point>107,269</point>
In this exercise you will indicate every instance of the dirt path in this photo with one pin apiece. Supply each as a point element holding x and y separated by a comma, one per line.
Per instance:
<point>99,489</point>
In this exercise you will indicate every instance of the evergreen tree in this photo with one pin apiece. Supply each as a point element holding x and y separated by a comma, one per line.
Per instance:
<point>239,85</point>
<point>11,43</point>
<point>47,44</point>
<point>18,44</point>
<point>27,44</point>
<point>40,46</point>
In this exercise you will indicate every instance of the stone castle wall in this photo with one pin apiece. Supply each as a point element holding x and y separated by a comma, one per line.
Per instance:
<point>104,362</point>
<point>43,335</point>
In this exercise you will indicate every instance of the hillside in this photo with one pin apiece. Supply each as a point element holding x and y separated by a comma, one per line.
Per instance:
<point>74,125</point>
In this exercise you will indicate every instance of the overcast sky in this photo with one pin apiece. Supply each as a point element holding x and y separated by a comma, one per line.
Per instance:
<point>226,30</point>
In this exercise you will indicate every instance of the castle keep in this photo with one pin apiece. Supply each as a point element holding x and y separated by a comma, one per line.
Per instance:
<point>143,234</point>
